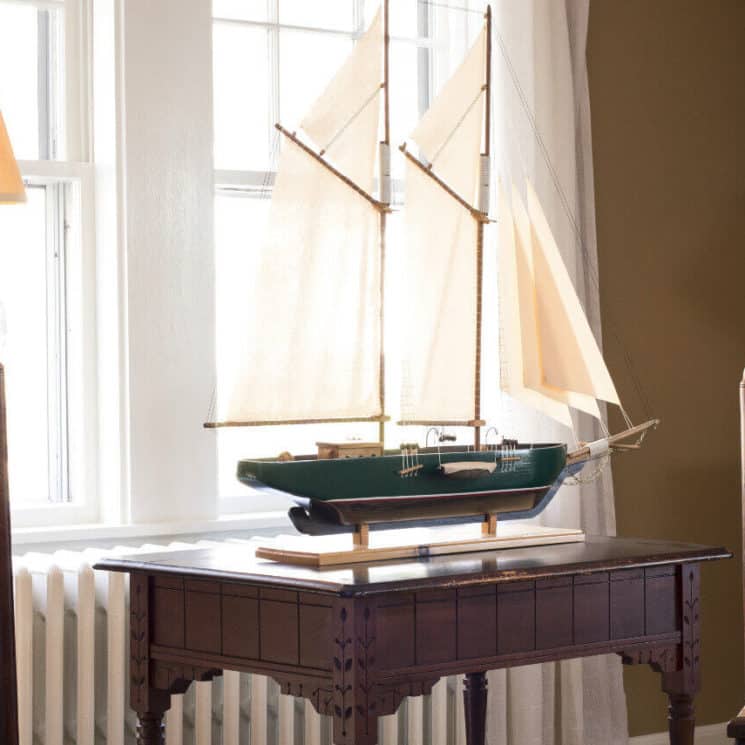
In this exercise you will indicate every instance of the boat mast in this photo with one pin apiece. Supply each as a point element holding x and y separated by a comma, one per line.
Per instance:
<point>480,233</point>
<point>384,198</point>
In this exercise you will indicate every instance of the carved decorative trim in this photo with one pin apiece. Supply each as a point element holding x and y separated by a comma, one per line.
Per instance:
<point>660,659</point>
<point>691,620</point>
<point>682,684</point>
<point>319,692</point>
<point>384,699</point>
<point>390,697</point>
<point>355,706</point>
<point>365,655</point>
<point>691,643</point>
<point>175,678</point>
<point>138,632</point>
<point>343,670</point>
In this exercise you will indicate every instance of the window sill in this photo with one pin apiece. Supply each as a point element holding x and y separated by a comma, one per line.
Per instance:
<point>101,532</point>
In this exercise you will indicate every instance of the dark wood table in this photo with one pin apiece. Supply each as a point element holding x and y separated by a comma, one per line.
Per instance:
<point>356,640</point>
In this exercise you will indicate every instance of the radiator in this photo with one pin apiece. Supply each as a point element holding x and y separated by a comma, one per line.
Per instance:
<point>72,649</point>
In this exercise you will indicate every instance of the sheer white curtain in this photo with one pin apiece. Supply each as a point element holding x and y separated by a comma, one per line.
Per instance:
<point>542,134</point>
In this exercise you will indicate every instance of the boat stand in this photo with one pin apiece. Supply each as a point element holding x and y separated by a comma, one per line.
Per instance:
<point>412,543</point>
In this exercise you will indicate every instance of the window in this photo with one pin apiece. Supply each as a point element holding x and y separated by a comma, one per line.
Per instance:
<point>31,78</point>
<point>272,58</point>
<point>46,267</point>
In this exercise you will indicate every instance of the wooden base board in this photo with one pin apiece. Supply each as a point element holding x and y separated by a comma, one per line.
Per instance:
<point>327,551</point>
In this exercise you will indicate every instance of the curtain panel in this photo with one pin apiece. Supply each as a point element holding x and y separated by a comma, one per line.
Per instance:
<point>542,135</point>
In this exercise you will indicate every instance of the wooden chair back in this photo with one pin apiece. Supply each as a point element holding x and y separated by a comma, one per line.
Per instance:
<point>8,683</point>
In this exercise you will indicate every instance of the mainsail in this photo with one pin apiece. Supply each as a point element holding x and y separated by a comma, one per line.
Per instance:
<point>442,251</point>
<point>311,343</point>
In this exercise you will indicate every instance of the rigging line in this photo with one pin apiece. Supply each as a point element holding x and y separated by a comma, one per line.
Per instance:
<point>456,127</point>
<point>212,409</point>
<point>273,169</point>
<point>351,119</point>
<point>573,222</point>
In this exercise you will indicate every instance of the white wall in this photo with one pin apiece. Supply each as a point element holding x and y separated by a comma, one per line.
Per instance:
<point>166,241</point>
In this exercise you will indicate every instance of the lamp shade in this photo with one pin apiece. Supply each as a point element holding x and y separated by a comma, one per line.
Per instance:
<point>11,184</point>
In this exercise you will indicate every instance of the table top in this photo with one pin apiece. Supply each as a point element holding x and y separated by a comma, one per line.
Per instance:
<point>236,563</point>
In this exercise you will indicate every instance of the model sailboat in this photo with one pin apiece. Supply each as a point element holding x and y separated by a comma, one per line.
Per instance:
<point>314,349</point>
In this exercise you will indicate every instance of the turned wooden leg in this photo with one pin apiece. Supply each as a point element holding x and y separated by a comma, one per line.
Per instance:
<point>149,703</point>
<point>474,700</point>
<point>150,729</point>
<point>681,719</point>
<point>682,685</point>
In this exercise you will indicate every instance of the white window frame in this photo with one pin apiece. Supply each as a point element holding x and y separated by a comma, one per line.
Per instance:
<point>77,475</point>
<point>252,184</point>
<point>76,50</point>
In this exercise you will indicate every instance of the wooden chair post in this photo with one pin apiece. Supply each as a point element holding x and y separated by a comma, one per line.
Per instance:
<point>742,450</point>
<point>736,728</point>
<point>8,683</point>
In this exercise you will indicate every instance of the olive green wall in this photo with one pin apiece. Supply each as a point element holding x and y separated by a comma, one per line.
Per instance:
<point>667,89</point>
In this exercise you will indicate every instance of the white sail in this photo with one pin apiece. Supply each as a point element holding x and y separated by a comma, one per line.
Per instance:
<point>570,355</point>
<point>439,318</point>
<point>519,370</point>
<point>344,120</point>
<point>440,253</point>
<point>310,345</point>
<point>552,360</point>
<point>449,133</point>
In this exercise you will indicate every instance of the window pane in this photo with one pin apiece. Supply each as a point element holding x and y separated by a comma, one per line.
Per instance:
<point>239,230</point>
<point>331,14</point>
<point>19,77</point>
<point>405,93</point>
<point>404,18</point>
<point>31,79</point>
<point>308,61</point>
<point>23,345</point>
<point>242,10</point>
<point>241,92</point>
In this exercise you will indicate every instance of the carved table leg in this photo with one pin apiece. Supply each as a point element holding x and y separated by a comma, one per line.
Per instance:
<point>150,729</point>
<point>680,665</point>
<point>355,709</point>
<point>681,719</point>
<point>474,699</point>
<point>682,685</point>
<point>149,703</point>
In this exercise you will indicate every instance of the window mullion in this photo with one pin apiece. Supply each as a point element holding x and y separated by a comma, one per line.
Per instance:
<point>74,36</point>
<point>44,83</point>
<point>52,344</point>
<point>358,17</point>
<point>275,113</point>
<point>63,228</point>
<point>56,343</point>
<point>424,57</point>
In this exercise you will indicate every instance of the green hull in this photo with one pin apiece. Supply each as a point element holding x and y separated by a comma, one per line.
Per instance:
<point>370,489</point>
